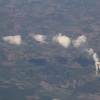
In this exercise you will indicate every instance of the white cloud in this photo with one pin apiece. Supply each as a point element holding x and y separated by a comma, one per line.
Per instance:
<point>13,39</point>
<point>40,38</point>
<point>79,41</point>
<point>62,40</point>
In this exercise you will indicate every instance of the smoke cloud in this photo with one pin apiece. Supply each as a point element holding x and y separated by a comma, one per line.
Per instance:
<point>62,40</point>
<point>80,41</point>
<point>90,51</point>
<point>95,57</point>
<point>39,38</point>
<point>13,39</point>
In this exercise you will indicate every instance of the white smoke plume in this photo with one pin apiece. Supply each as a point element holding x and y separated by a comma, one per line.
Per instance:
<point>79,41</point>
<point>13,39</point>
<point>90,51</point>
<point>62,40</point>
<point>39,38</point>
<point>95,57</point>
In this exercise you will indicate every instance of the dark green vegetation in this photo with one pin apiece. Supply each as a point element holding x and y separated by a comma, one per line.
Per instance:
<point>13,93</point>
<point>37,62</point>
<point>84,62</point>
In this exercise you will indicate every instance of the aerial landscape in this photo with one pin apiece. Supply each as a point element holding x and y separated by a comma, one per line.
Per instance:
<point>49,49</point>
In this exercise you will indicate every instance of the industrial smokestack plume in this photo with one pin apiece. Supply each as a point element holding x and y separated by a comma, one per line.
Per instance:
<point>97,64</point>
<point>95,57</point>
<point>96,60</point>
<point>80,42</point>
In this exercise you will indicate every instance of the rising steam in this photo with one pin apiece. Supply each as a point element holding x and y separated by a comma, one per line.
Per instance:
<point>95,57</point>
<point>81,42</point>
<point>39,38</point>
<point>62,40</point>
<point>13,39</point>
